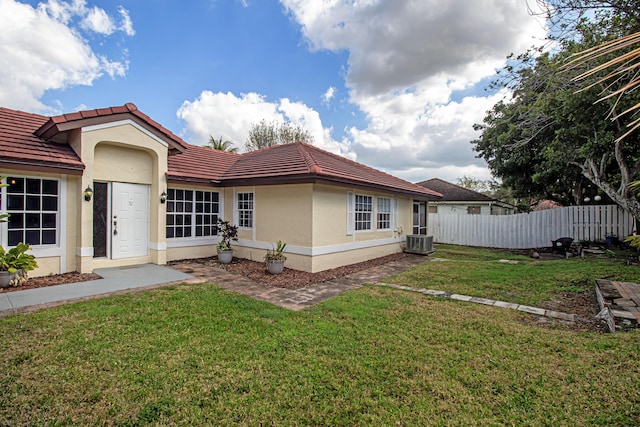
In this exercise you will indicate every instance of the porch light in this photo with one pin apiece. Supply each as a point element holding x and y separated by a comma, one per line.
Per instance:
<point>88,193</point>
<point>163,197</point>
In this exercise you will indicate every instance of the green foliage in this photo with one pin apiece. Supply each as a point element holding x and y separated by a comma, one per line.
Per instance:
<point>277,253</point>
<point>221,145</point>
<point>16,259</point>
<point>484,273</point>
<point>552,140</point>
<point>227,233</point>
<point>263,135</point>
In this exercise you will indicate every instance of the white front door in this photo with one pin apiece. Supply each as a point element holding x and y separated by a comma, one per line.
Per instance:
<point>129,220</point>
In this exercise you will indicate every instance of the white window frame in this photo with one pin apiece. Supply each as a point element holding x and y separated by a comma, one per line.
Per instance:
<point>385,209</point>
<point>61,200</point>
<point>193,214</point>
<point>238,210</point>
<point>359,215</point>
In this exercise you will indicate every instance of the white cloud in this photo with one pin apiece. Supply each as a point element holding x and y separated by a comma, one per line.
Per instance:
<point>98,21</point>
<point>126,25</point>
<point>32,60</point>
<point>395,44</point>
<point>328,95</point>
<point>406,61</point>
<point>231,117</point>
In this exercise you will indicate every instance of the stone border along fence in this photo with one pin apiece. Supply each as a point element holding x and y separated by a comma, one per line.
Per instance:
<point>531,230</point>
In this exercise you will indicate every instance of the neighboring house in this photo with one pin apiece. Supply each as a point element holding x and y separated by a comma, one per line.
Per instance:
<point>112,187</point>
<point>461,201</point>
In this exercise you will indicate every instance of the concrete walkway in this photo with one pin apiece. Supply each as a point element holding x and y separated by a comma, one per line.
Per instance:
<point>114,281</point>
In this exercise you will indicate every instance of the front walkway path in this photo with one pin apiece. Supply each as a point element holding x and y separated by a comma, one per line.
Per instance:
<point>115,280</point>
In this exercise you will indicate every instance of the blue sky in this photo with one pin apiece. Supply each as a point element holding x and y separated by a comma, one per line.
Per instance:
<point>394,84</point>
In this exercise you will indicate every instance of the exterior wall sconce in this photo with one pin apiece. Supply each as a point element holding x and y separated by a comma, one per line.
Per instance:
<point>163,197</point>
<point>88,193</point>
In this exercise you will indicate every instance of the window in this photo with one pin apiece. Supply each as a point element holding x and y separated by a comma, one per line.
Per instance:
<point>364,212</point>
<point>473,210</point>
<point>432,209</point>
<point>33,206</point>
<point>419,217</point>
<point>384,213</point>
<point>192,213</point>
<point>245,210</point>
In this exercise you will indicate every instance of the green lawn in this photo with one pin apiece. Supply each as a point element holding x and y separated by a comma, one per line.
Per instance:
<point>199,355</point>
<point>480,272</point>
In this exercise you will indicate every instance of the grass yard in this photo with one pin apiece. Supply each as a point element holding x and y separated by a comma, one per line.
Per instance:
<point>480,272</point>
<point>199,355</point>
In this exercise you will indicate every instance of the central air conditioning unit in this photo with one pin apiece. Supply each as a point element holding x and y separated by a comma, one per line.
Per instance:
<point>419,244</point>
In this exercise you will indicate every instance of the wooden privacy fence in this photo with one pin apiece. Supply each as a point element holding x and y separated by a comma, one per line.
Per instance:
<point>532,230</point>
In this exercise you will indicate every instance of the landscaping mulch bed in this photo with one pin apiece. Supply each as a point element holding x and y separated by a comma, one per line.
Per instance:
<point>52,280</point>
<point>289,279</point>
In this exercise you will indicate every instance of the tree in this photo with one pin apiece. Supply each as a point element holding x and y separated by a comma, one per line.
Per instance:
<point>622,70</point>
<point>265,134</point>
<point>221,145</point>
<point>551,139</point>
<point>486,187</point>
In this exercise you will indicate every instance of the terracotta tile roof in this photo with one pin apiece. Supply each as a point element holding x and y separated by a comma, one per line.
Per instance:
<point>31,141</point>
<point>20,148</point>
<point>58,124</point>
<point>200,164</point>
<point>303,162</point>
<point>455,193</point>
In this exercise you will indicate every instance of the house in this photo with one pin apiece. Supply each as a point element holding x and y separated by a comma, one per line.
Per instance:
<point>462,201</point>
<point>112,187</point>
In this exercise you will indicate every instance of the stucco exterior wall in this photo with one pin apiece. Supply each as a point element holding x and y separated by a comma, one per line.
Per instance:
<point>281,212</point>
<point>310,218</point>
<point>121,152</point>
<point>334,247</point>
<point>329,261</point>
<point>189,252</point>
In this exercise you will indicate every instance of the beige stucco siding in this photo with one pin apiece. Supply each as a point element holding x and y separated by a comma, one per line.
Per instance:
<point>284,212</point>
<point>312,220</point>
<point>329,261</point>
<point>121,152</point>
<point>330,216</point>
<point>72,213</point>
<point>122,164</point>
<point>190,252</point>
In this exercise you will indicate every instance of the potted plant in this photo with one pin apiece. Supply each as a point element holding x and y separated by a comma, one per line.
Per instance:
<point>14,265</point>
<point>275,258</point>
<point>227,233</point>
